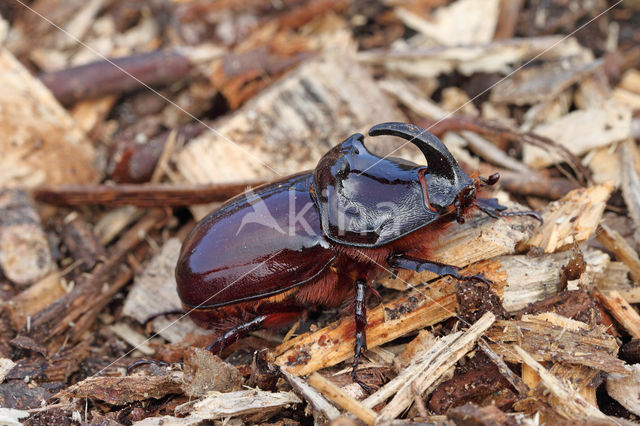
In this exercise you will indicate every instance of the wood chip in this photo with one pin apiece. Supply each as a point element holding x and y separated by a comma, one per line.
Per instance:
<point>543,83</point>
<point>123,390</point>
<point>570,404</point>
<point>497,56</point>
<point>24,249</point>
<point>631,295</point>
<point>461,22</point>
<point>631,81</point>
<point>132,337</point>
<point>615,277</point>
<point>419,365</point>
<point>614,242</point>
<point>482,237</point>
<point>571,219</point>
<point>5,366</point>
<point>530,279</point>
<point>205,372</point>
<point>593,348</point>
<point>417,347</point>
<point>436,366</point>
<point>241,403</point>
<point>169,421</point>
<point>580,131</point>
<point>604,164</point>
<point>625,389</point>
<point>593,91</point>
<point>35,298</point>
<point>630,178</point>
<point>45,145</point>
<point>12,417</point>
<point>313,397</point>
<point>114,222</point>
<point>341,398</point>
<point>90,113</point>
<point>622,311</point>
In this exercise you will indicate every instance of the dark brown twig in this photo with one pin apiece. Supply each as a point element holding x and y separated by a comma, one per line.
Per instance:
<point>102,77</point>
<point>502,136</point>
<point>153,195</point>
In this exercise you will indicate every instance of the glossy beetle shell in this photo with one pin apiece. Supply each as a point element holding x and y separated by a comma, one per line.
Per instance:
<point>254,247</point>
<point>303,241</point>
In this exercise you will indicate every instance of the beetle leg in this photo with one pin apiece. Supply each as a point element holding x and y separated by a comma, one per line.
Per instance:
<point>236,333</point>
<point>440,269</point>
<point>361,324</point>
<point>270,320</point>
<point>139,363</point>
<point>492,208</point>
<point>162,314</point>
<point>459,217</point>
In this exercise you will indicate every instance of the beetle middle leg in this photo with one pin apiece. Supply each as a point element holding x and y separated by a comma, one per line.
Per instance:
<point>440,269</point>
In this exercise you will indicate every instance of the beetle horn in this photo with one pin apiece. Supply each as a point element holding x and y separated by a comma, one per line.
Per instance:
<point>439,159</point>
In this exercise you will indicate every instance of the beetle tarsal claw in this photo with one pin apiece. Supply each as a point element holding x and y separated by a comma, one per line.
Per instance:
<point>529,213</point>
<point>477,278</point>
<point>355,379</point>
<point>139,363</point>
<point>491,207</point>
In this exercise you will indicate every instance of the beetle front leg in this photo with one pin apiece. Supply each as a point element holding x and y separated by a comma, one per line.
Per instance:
<point>235,333</point>
<point>361,325</point>
<point>440,269</point>
<point>495,210</point>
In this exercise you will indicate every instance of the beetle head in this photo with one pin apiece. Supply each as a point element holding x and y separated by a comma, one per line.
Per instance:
<point>366,200</point>
<point>445,182</point>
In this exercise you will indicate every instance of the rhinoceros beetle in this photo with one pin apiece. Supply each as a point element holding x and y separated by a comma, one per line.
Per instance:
<point>320,238</point>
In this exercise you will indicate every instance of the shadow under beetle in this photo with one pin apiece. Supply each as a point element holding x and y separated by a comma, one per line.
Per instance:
<point>321,238</point>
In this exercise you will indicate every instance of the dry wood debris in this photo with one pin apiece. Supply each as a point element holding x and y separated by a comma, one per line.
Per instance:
<point>121,131</point>
<point>41,143</point>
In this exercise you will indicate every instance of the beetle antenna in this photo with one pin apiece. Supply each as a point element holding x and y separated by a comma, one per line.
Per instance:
<point>491,180</point>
